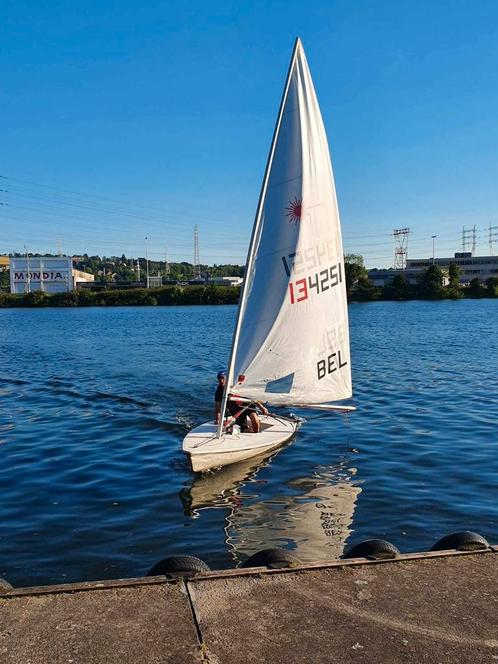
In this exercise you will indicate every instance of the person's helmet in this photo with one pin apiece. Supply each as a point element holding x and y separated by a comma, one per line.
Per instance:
<point>221,373</point>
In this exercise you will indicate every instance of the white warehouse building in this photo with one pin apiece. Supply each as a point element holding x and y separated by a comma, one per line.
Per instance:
<point>470,266</point>
<point>51,274</point>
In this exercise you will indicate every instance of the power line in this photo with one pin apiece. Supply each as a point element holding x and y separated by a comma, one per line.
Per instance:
<point>400,247</point>
<point>86,231</point>
<point>52,215</point>
<point>125,203</point>
<point>466,235</point>
<point>197,266</point>
<point>493,235</point>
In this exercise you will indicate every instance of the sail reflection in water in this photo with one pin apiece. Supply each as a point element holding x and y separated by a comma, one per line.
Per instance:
<point>312,515</point>
<point>222,488</point>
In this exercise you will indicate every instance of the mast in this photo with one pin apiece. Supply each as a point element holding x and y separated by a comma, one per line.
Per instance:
<point>257,223</point>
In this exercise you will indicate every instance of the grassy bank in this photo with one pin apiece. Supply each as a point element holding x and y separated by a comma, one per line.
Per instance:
<point>183,295</point>
<point>167,295</point>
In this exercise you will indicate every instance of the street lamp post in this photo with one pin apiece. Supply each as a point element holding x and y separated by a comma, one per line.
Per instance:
<point>27,287</point>
<point>433,238</point>
<point>147,259</point>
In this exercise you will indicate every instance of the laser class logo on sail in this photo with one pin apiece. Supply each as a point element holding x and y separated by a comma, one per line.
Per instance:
<point>295,210</point>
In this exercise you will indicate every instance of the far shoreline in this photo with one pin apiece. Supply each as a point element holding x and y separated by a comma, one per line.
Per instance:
<point>189,295</point>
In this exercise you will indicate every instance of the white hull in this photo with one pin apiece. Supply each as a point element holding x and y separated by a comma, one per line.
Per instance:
<point>205,451</point>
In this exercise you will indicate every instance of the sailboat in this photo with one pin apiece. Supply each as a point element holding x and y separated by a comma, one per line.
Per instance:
<point>290,344</point>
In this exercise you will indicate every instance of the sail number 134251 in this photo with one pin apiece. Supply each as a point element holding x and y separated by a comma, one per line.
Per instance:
<point>301,289</point>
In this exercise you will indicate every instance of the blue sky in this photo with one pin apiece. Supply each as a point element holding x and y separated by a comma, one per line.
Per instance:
<point>120,121</point>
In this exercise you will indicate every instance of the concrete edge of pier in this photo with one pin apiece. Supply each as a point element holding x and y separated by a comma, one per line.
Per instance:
<point>231,573</point>
<point>431,606</point>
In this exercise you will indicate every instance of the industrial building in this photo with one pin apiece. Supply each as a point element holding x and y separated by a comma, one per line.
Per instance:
<point>226,281</point>
<point>471,267</point>
<point>51,274</point>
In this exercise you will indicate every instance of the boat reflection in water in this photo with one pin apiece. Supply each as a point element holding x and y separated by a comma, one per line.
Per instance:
<point>311,515</point>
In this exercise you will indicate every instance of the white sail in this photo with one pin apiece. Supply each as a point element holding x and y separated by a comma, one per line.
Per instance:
<point>291,343</point>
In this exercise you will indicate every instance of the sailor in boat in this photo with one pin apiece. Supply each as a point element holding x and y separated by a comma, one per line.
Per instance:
<point>246,415</point>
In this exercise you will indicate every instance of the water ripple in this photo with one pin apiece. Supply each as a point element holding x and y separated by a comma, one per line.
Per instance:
<point>93,411</point>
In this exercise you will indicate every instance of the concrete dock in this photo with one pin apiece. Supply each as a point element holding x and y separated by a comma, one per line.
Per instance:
<point>435,608</point>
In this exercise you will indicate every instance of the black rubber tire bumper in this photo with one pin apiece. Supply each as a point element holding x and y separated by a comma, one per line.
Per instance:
<point>272,558</point>
<point>373,549</point>
<point>179,566</point>
<point>465,540</point>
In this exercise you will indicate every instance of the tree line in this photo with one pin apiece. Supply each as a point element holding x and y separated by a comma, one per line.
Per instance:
<point>108,269</point>
<point>433,284</point>
<point>165,295</point>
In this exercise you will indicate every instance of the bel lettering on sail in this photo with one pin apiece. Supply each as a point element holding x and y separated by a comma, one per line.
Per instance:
<point>331,363</point>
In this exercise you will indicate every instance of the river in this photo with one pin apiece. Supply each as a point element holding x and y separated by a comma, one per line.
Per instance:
<point>95,403</point>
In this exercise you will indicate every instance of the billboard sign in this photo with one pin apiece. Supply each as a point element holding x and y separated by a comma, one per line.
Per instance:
<point>41,273</point>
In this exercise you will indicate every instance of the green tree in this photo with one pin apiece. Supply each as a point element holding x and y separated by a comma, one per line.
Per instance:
<point>86,297</point>
<point>492,286</point>
<point>475,289</point>
<point>431,283</point>
<point>124,273</point>
<point>397,289</point>
<point>230,270</point>
<point>67,299</point>
<point>36,299</point>
<point>11,300</point>
<point>4,280</point>
<point>454,289</point>
<point>364,290</point>
<point>356,273</point>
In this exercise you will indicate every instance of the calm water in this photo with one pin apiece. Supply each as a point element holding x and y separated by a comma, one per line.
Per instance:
<point>95,403</point>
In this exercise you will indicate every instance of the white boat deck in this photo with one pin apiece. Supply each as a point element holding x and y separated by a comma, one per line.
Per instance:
<point>206,451</point>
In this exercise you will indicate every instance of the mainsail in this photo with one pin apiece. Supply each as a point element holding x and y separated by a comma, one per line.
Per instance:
<point>291,341</point>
